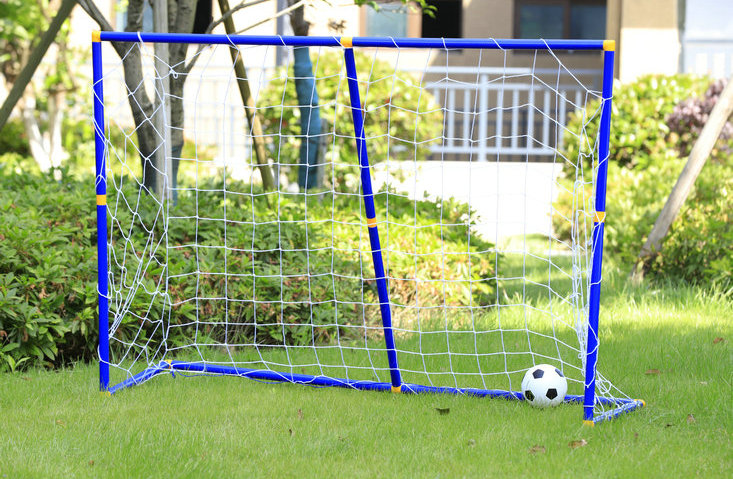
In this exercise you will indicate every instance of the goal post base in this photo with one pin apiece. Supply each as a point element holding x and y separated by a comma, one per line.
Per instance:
<point>621,406</point>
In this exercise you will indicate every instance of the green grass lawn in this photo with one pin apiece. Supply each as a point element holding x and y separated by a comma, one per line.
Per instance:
<point>668,345</point>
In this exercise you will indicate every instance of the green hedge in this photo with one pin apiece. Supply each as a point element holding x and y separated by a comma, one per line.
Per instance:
<point>47,264</point>
<point>48,290</point>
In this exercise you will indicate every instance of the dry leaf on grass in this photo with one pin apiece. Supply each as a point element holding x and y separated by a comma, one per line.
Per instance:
<point>653,372</point>
<point>577,443</point>
<point>442,410</point>
<point>537,449</point>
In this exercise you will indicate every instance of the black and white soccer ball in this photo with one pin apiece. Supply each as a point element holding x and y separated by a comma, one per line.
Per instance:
<point>544,386</point>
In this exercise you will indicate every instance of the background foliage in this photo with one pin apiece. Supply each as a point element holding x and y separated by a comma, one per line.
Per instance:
<point>48,292</point>
<point>655,121</point>
<point>389,97</point>
<point>48,268</point>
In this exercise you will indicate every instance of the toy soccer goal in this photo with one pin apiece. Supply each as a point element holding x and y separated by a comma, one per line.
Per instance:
<point>374,213</point>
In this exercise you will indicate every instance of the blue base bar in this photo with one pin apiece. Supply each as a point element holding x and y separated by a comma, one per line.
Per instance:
<point>621,405</point>
<point>628,406</point>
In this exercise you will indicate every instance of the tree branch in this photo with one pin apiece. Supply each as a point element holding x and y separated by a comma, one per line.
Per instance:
<point>243,4</point>
<point>91,9</point>
<point>282,12</point>
<point>33,61</point>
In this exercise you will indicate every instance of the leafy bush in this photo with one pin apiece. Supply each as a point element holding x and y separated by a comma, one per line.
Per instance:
<point>48,290</point>
<point>689,117</point>
<point>698,247</point>
<point>634,199</point>
<point>13,138</point>
<point>47,293</point>
<point>639,127</point>
<point>652,118</point>
<point>402,118</point>
<point>313,274</point>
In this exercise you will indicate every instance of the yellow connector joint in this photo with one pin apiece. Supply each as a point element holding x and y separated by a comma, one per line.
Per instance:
<point>346,42</point>
<point>372,222</point>
<point>589,423</point>
<point>609,45</point>
<point>101,200</point>
<point>396,389</point>
<point>599,217</point>
<point>106,394</point>
<point>96,36</point>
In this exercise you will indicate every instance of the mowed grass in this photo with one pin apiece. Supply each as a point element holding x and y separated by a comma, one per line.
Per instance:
<point>668,345</point>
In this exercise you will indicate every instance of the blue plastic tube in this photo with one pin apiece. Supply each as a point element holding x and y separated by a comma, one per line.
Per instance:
<point>101,191</point>
<point>448,43</point>
<point>366,186</point>
<point>600,207</point>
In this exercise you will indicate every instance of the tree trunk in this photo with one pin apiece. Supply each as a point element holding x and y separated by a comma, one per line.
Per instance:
<point>36,141</point>
<point>310,116</point>
<point>699,154</point>
<point>56,153</point>
<point>142,108</point>
<point>181,19</point>
<point>249,106</point>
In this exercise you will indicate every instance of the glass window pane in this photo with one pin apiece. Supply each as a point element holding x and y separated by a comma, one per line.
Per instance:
<point>588,22</point>
<point>389,21</point>
<point>541,21</point>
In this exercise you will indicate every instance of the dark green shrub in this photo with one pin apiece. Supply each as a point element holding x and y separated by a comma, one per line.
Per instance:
<point>13,138</point>
<point>48,268</point>
<point>47,263</point>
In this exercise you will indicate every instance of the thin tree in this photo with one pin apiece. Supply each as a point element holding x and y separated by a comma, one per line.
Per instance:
<point>698,156</point>
<point>182,16</point>
<point>310,116</point>
<point>22,45</point>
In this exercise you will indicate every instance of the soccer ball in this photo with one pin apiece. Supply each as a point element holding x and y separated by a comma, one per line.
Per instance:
<point>544,386</point>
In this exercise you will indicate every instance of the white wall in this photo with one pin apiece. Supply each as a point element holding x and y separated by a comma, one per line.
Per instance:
<point>509,199</point>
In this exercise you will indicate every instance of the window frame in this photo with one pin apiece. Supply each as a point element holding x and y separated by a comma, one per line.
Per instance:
<point>566,4</point>
<point>461,22</point>
<point>412,20</point>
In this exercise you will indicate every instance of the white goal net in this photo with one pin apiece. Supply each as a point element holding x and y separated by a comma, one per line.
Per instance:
<point>483,219</point>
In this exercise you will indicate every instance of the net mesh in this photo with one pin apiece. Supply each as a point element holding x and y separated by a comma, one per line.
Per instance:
<point>487,269</point>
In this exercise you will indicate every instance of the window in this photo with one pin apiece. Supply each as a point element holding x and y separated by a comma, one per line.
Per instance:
<point>389,21</point>
<point>447,21</point>
<point>575,19</point>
